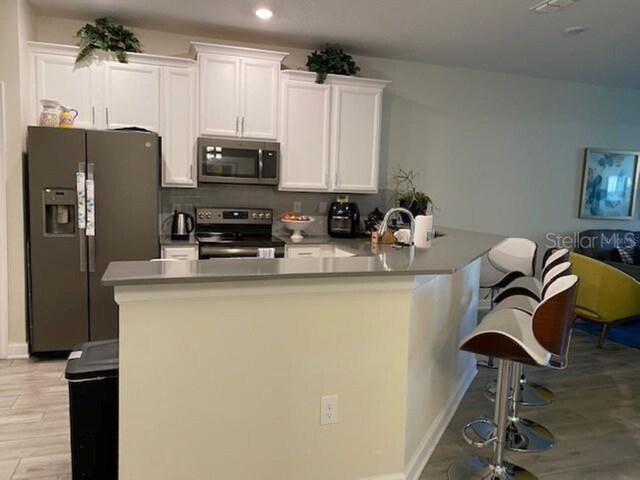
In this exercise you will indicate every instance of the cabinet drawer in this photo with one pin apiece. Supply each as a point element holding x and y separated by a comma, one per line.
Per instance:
<point>180,253</point>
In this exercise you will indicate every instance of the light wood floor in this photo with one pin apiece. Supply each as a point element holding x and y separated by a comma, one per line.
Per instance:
<point>596,419</point>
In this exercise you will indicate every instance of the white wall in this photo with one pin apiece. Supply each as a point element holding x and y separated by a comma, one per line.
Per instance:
<point>499,153</point>
<point>17,25</point>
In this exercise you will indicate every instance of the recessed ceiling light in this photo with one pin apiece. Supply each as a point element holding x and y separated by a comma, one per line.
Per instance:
<point>264,13</point>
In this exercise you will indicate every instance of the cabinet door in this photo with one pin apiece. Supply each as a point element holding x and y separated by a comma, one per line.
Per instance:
<point>355,138</point>
<point>132,96</point>
<point>56,77</point>
<point>259,99</point>
<point>178,127</point>
<point>219,95</point>
<point>304,136</point>
<point>180,253</point>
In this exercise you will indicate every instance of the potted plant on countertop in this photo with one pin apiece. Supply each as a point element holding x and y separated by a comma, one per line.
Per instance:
<point>107,36</point>
<point>407,196</point>
<point>331,59</point>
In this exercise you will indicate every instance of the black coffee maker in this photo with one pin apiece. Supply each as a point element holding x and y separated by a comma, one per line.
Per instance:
<point>344,220</point>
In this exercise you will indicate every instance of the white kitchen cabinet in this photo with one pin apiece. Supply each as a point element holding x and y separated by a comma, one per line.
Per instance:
<point>305,118</point>
<point>330,133</point>
<point>219,95</point>
<point>355,138</point>
<point>132,96</point>
<point>179,127</point>
<point>56,77</point>
<point>238,91</point>
<point>186,252</point>
<point>259,98</point>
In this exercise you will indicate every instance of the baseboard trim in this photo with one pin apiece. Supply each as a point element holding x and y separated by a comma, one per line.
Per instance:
<point>433,434</point>
<point>17,350</point>
<point>392,476</point>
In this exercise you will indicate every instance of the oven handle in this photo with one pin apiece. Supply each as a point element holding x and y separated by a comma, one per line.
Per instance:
<point>210,251</point>
<point>260,164</point>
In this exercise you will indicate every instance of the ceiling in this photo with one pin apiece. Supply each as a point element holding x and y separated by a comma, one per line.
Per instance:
<point>496,35</point>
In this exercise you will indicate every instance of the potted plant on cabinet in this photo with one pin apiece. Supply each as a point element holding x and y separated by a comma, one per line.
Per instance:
<point>106,36</point>
<point>331,59</point>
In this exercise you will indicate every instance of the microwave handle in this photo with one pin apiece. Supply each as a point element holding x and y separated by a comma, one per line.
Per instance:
<point>260,163</point>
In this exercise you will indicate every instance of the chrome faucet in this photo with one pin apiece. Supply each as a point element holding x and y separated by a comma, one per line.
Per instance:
<point>385,221</point>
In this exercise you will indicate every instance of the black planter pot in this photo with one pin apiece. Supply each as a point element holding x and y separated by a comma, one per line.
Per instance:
<point>413,207</point>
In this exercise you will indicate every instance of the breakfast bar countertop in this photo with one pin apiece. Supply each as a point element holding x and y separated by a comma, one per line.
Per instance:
<point>451,251</point>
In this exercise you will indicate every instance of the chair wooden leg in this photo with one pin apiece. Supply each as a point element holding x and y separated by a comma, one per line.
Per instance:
<point>603,335</point>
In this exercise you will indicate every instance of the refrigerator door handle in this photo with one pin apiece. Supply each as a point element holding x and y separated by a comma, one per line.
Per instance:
<point>92,253</point>
<point>81,215</point>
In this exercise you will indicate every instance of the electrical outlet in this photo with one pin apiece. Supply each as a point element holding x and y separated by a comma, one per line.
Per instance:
<point>297,206</point>
<point>322,208</point>
<point>328,409</point>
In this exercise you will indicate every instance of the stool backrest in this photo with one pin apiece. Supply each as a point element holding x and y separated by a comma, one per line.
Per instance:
<point>556,258</point>
<point>514,255</point>
<point>555,273</point>
<point>554,316</point>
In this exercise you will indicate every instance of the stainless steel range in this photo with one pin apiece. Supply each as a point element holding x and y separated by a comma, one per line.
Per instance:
<point>235,232</point>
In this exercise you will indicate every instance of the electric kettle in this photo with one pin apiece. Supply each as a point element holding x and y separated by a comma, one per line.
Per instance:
<point>181,226</point>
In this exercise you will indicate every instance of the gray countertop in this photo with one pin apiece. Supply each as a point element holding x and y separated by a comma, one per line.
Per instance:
<point>447,254</point>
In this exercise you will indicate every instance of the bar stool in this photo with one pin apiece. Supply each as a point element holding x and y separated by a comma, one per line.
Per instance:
<point>513,258</point>
<point>531,286</point>
<point>530,394</point>
<point>515,337</point>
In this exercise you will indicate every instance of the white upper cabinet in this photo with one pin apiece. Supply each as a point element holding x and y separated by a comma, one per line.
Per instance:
<point>219,95</point>
<point>259,98</point>
<point>132,96</point>
<point>305,118</point>
<point>178,131</point>
<point>56,77</point>
<point>238,91</point>
<point>355,138</point>
<point>330,133</point>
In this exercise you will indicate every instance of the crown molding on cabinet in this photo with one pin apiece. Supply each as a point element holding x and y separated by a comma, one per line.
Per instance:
<point>335,79</point>
<point>198,47</point>
<point>139,58</point>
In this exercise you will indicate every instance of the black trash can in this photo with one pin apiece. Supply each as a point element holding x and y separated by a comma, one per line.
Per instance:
<point>92,372</point>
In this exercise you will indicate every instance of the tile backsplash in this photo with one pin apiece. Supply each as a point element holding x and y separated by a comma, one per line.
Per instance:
<point>252,196</point>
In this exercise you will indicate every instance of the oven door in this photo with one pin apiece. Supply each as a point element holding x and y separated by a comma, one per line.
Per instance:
<point>237,161</point>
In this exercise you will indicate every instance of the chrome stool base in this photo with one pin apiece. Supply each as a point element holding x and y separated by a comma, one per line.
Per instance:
<point>478,468</point>
<point>523,436</point>
<point>531,394</point>
<point>488,362</point>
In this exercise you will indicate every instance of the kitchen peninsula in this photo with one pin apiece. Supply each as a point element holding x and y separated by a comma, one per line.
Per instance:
<point>226,366</point>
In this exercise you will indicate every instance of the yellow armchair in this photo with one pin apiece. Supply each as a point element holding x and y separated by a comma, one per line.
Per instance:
<point>605,294</point>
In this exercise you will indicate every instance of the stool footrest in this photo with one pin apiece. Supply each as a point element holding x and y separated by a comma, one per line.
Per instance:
<point>470,436</point>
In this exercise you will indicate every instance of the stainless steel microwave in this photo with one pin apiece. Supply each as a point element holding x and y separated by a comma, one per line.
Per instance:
<point>238,161</point>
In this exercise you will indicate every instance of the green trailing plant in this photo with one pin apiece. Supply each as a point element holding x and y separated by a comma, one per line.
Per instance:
<point>107,36</point>
<point>407,196</point>
<point>331,59</point>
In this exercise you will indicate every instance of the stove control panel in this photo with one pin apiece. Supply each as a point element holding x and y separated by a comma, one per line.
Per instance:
<point>234,216</point>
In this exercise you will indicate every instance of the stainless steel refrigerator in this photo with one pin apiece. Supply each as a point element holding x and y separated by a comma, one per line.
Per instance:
<point>92,199</point>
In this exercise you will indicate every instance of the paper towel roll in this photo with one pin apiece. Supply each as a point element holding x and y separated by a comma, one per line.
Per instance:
<point>424,225</point>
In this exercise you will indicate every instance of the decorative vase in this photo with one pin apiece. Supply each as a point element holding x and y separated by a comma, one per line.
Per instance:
<point>50,114</point>
<point>67,117</point>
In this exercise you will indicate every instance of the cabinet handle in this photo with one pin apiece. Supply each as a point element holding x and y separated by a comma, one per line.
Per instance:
<point>237,129</point>
<point>107,110</point>
<point>242,124</point>
<point>93,116</point>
